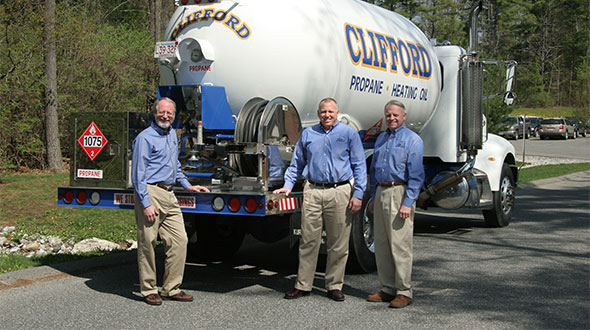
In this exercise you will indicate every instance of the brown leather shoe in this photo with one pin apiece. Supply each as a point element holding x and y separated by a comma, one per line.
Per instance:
<point>296,293</point>
<point>380,297</point>
<point>153,299</point>
<point>400,301</point>
<point>181,296</point>
<point>336,295</point>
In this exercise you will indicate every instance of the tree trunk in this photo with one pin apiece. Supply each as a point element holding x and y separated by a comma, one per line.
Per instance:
<point>157,19</point>
<point>54,160</point>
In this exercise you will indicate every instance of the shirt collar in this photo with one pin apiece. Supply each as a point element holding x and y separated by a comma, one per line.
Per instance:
<point>396,130</point>
<point>331,128</point>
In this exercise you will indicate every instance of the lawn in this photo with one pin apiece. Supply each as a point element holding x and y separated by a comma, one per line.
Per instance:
<point>28,201</point>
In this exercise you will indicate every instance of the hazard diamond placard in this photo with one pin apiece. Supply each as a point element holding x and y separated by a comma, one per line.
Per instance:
<point>92,141</point>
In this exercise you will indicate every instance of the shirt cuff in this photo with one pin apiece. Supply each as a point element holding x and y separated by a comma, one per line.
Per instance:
<point>358,194</point>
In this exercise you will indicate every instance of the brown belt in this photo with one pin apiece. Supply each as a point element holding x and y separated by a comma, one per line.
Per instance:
<point>163,186</point>
<point>328,184</point>
<point>391,184</point>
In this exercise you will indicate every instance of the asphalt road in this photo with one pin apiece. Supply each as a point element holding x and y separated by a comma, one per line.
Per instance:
<point>533,274</point>
<point>572,148</point>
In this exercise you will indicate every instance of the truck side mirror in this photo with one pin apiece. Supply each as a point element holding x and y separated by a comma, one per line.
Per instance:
<point>509,98</point>
<point>510,93</point>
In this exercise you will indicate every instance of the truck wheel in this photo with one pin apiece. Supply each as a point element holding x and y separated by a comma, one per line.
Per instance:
<point>213,238</point>
<point>503,201</point>
<point>361,254</point>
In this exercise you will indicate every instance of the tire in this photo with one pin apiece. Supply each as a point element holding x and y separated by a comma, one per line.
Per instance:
<point>361,252</point>
<point>575,135</point>
<point>213,238</point>
<point>503,201</point>
<point>527,134</point>
<point>565,136</point>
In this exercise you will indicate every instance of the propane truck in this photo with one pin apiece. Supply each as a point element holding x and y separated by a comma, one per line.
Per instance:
<point>247,76</point>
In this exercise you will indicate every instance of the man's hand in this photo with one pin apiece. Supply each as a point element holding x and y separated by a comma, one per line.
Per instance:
<point>283,190</point>
<point>354,205</point>
<point>198,189</point>
<point>404,212</point>
<point>150,213</point>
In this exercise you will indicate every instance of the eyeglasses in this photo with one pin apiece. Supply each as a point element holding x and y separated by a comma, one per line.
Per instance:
<point>169,113</point>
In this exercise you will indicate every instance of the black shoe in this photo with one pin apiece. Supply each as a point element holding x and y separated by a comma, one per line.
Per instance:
<point>296,293</point>
<point>336,295</point>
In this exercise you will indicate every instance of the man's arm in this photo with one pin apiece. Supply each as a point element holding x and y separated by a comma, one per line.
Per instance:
<point>141,150</point>
<point>415,169</point>
<point>295,168</point>
<point>359,166</point>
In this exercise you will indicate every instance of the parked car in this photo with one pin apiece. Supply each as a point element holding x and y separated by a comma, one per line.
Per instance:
<point>534,124</point>
<point>574,122</point>
<point>512,128</point>
<point>584,127</point>
<point>555,127</point>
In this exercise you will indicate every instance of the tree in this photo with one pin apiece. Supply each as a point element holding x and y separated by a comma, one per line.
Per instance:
<point>54,161</point>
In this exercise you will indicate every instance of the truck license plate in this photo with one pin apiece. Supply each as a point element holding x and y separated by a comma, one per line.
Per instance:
<point>165,49</point>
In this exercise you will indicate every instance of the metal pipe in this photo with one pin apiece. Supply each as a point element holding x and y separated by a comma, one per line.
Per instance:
<point>473,15</point>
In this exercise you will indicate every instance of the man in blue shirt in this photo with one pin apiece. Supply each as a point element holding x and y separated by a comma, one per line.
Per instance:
<point>396,176</point>
<point>329,155</point>
<point>155,171</point>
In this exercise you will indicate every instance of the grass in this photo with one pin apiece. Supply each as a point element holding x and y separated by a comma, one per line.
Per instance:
<point>13,262</point>
<point>550,171</point>
<point>28,201</point>
<point>547,111</point>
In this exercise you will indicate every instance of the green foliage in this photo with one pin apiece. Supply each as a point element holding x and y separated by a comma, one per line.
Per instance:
<point>13,262</point>
<point>550,171</point>
<point>104,63</point>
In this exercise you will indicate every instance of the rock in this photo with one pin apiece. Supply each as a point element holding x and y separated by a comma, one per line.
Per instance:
<point>33,246</point>
<point>94,244</point>
<point>7,230</point>
<point>131,244</point>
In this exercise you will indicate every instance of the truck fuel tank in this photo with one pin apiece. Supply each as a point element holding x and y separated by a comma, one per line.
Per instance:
<point>360,54</point>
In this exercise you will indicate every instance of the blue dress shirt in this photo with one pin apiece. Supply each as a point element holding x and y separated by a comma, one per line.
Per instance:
<point>398,158</point>
<point>155,159</point>
<point>330,156</point>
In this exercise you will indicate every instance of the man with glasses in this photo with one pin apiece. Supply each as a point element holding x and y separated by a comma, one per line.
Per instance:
<point>155,171</point>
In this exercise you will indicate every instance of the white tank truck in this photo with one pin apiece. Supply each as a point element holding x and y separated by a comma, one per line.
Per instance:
<point>247,77</point>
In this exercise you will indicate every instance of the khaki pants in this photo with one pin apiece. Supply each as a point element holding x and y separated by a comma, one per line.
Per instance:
<point>170,227</point>
<point>330,208</point>
<point>393,241</point>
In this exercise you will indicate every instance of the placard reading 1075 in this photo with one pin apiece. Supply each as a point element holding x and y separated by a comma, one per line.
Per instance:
<point>92,141</point>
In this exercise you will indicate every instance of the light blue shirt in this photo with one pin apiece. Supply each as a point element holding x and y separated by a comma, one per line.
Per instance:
<point>398,158</point>
<point>330,156</point>
<point>155,159</point>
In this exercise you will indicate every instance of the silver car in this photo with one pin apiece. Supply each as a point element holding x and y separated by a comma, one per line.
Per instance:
<point>556,127</point>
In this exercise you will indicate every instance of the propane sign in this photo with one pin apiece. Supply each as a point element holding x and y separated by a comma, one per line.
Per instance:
<point>92,141</point>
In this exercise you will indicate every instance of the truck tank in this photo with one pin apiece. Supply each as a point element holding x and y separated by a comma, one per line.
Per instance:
<point>355,52</point>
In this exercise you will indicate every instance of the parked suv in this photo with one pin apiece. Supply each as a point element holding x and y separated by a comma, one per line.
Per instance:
<point>534,124</point>
<point>512,127</point>
<point>555,127</point>
<point>584,127</point>
<point>574,122</point>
